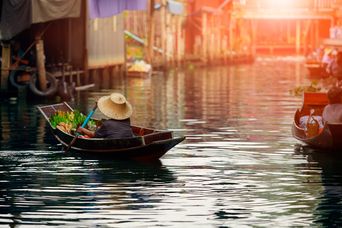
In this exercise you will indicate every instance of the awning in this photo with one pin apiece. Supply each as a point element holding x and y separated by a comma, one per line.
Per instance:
<point>18,15</point>
<point>15,17</point>
<point>43,11</point>
<point>108,8</point>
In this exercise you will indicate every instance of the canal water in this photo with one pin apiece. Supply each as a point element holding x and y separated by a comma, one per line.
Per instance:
<point>238,167</point>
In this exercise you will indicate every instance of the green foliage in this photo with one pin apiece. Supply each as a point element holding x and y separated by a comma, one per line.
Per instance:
<point>299,90</point>
<point>135,52</point>
<point>320,85</point>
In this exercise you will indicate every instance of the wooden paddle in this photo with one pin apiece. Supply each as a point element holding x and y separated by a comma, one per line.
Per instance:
<point>83,125</point>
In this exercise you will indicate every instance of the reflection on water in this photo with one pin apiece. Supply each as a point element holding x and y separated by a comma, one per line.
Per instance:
<point>239,165</point>
<point>329,209</point>
<point>53,185</point>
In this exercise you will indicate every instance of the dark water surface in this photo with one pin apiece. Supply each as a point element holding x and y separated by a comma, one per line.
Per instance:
<point>238,167</point>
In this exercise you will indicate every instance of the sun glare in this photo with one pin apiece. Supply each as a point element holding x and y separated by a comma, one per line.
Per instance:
<point>281,4</point>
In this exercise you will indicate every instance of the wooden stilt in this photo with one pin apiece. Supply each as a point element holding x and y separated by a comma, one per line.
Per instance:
<point>135,22</point>
<point>211,34</point>
<point>254,35</point>
<point>204,38</point>
<point>78,77</point>
<point>173,38</point>
<point>317,32</point>
<point>41,64</point>
<point>168,39</point>
<point>231,36</point>
<point>6,63</point>
<point>298,36</point>
<point>219,48</point>
<point>181,40</point>
<point>306,36</point>
<point>150,32</point>
<point>163,31</point>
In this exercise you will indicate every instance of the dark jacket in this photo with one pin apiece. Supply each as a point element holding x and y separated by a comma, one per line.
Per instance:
<point>115,129</point>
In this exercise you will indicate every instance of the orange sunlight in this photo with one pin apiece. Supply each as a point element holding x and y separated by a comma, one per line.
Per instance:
<point>281,4</point>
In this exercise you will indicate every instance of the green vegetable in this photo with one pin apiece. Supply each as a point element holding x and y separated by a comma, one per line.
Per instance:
<point>75,118</point>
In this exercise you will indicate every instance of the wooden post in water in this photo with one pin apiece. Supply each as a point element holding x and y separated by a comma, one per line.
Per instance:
<point>168,48</point>
<point>6,63</point>
<point>219,47</point>
<point>210,33</point>
<point>317,32</point>
<point>173,38</point>
<point>41,63</point>
<point>231,37</point>
<point>298,36</point>
<point>307,43</point>
<point>163,36</point>
<point>218,38</point>
<point>204,38</point>
<point>179,40</point>
<point>150,32</point>
<point>288,32</point>
<point>85,52</point>
<point>135,23</point>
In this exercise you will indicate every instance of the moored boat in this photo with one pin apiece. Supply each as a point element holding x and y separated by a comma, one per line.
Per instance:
<point>327,138</point>
<point>146,145</point>
<point>139,74</point>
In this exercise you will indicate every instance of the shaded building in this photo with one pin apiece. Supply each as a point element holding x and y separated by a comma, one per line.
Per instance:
<point>286,26</point>
<point>79,34</point>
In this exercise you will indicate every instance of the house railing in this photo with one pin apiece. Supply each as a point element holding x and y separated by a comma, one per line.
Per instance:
<point>316,5</point>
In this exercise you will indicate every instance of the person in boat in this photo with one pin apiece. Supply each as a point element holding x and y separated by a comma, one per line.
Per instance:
<point>312,124</point>
<point>118,126</point>
<point>332,113</point>
<point>327,58</point>
<point>335,68</point>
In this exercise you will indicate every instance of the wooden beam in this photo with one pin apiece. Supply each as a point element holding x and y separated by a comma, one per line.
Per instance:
<point>6,63</point>
<point>41,63</point>
<point>298,36</point>
<point>150,31</point>
<point>163,36</point>
<point>179,40</point>
<point>204,37</point>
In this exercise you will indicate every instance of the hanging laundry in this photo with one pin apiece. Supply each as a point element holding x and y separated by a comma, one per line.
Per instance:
<point>108,8</point>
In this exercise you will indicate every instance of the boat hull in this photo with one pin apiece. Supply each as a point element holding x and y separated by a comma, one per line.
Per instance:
<point>146,145</point>
<point>131,148</point>
<point>321,141</point>
<point>329,137</point>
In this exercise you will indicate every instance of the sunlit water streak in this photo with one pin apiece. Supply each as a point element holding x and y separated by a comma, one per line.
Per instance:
<point>239,166</point>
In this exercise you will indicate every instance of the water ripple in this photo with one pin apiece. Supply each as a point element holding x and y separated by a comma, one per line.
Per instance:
<point>238,167</point>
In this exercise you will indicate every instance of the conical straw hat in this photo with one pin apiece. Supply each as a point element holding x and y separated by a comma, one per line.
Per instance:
<point>115,106</point>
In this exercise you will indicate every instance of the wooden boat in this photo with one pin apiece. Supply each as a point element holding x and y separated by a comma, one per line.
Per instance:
<point>148,143</point>
<point>139,74</point>
<point>329,137</point>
